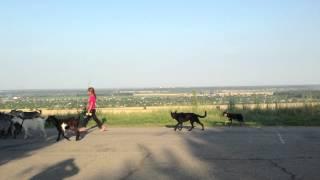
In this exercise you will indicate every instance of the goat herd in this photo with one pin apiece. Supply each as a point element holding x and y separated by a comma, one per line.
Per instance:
<point>17,121</point>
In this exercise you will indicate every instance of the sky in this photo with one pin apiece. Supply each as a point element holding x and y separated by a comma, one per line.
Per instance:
<point>168,43</point>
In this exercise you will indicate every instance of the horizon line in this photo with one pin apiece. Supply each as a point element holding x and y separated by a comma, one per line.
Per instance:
<point>167,87</point>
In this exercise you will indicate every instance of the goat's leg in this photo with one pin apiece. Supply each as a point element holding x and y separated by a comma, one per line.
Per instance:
<point>44,133</point>
<point>19,130</point>
<point>13,132</point>
<point>6,132</point>
<point>59,135</point>
<point>65,136</point>
<point>16,133</point>
<point>26,133</point>
<point>77,135</point>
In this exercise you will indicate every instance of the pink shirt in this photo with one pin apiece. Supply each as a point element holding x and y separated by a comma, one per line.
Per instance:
<point>92,102</point>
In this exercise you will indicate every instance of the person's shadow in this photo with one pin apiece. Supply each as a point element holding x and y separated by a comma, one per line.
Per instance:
<point>61,170</point>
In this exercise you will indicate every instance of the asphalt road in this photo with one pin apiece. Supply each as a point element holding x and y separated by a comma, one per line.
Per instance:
<point>160,153</point>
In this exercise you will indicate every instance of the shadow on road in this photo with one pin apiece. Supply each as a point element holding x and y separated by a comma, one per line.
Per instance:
<point>216,153</point>
<point>226,153</point>
<point>59,171</point>
<point>173,126</point>
<point>150,167</point>
<point>12,149</point>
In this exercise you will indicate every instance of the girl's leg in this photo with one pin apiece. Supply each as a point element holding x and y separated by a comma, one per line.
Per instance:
<point>83,129</point>
<point>99,123</point>
<point>95,118</point>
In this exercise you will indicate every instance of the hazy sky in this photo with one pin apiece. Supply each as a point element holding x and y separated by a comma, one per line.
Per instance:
<point>135,43</point>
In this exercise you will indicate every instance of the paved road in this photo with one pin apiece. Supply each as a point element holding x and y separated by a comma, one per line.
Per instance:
<point>160,153</point>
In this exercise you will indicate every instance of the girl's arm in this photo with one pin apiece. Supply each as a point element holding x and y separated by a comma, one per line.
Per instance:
<point>91,104</point>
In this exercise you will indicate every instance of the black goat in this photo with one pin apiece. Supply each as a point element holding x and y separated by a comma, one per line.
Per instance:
<point>62,125</point>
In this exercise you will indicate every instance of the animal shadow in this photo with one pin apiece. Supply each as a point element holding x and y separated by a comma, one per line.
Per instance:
<point>61,170</point>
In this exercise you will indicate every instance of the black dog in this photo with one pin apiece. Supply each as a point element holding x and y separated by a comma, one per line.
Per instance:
<point>63,124</point>
<point>184,117</point>
<point>234,116</point>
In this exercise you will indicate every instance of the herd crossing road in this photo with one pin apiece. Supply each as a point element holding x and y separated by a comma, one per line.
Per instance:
<point>268,153</point>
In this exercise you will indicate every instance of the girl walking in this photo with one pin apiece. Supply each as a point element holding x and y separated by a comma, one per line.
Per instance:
<point>91,111</point>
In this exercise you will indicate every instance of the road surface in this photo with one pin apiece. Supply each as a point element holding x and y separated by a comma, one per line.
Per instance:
<point>269,153</point>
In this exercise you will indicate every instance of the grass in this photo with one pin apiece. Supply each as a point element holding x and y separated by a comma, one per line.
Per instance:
<point>308,115</point>
<point>298,116</point>
<point>157,118</point>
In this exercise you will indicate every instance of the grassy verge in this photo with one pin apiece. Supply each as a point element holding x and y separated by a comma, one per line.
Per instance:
<point>302,116</point>
<point>299,116</point>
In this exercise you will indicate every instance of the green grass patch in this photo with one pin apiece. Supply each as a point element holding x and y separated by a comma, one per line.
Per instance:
<point>300,116</point>
<point>303,116</point>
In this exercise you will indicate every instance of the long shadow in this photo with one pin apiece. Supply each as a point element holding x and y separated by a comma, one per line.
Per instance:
<point>12,149</point>
<point>61,170</point>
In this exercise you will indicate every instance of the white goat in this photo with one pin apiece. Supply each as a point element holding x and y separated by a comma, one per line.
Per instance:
<point>33,124</point>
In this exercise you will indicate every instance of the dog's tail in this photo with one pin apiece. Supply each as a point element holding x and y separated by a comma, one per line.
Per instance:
<point>204,116</point>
